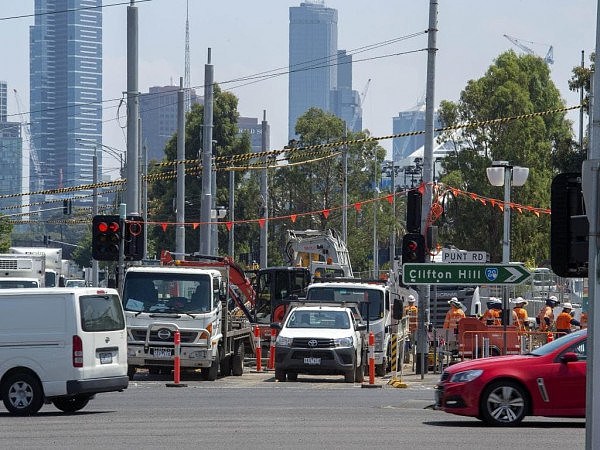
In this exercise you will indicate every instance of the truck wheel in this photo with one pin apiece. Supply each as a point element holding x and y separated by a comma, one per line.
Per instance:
<point>226,366</point>
<point>380,369</point>
<point>210,374</point>
<point>22,394</point>
<point>359,375</point>
<point>237,361</point>
<point>71,404</point>
<point>279,374</point>
<point>131,372</point>
<point>292,376</point>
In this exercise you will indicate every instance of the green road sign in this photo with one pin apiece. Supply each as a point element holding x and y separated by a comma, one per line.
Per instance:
<point>464,273</point>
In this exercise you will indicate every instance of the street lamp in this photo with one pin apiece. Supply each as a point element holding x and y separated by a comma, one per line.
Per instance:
<point>502,173</point>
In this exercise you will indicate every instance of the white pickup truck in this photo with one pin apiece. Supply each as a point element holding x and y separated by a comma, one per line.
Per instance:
<point>320,340</point>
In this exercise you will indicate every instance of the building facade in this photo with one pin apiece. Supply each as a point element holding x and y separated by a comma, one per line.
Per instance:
<point>65,46</point>
<point>158,110</point>
<point>410,121</point>
<point>11,158</point>
<point>253,127</point>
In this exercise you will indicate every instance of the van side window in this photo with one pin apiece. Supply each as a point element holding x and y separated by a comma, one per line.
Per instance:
<point>101,313</point>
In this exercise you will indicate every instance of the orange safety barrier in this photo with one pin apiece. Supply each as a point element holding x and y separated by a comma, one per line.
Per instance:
<point>371,358</point>
<point>177,360</point>
<point>271,362</point>
<point>258,349</point>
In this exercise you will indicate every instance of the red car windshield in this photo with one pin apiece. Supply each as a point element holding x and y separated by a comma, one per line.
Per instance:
<point>552,346</point>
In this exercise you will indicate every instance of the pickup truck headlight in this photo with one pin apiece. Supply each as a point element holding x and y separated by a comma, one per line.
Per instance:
<point>283,341</point>
<point>343,342</point>
<point>466,376</point>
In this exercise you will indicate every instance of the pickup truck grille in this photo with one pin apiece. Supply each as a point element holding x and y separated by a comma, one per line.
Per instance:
<point>301,354</point>
<point>304,343</point>
<point>140,335</point>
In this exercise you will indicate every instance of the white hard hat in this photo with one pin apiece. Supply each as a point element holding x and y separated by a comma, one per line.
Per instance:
<point>567,305</point>
<point>411,298</point>
<point>519,300</point>
<point>553,298</point>
<point>454,301</point>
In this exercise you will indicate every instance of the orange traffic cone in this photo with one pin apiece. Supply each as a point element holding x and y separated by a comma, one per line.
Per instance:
<point>550,337</point>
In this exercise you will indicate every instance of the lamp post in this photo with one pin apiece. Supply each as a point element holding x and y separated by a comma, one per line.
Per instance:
<point>503,173</point>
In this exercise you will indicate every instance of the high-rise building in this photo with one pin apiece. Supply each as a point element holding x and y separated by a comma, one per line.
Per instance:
<point>410,121</point>
<point>65,91</point>
<point>158,110</point>
<point>253,127</point>
<point>312,60</point>
<point>345,101</point>
<point>11,158</point>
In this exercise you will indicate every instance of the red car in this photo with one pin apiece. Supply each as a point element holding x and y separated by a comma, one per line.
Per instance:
<point>501,391</point>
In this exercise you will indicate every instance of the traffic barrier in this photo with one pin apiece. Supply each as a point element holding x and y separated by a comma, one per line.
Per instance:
<point>371,358</point>
<point>271,362</point>
<point>177,361</point>
<point>549,337</point>
<point>258,349</point>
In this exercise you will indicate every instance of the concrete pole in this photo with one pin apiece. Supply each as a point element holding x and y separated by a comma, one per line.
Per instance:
<point>393,237</point>
<point>145,196</point>
<point>180,213</point>
<point>231,247</point>
<point>506,251</point>
<point>95,210</point>
<point>133,111</point>
<point>424,295</point>
<point>264,195</point>
<point>345,191</point>
<point>206,201</point>
<point>214,236</point>
<point>375,208</point>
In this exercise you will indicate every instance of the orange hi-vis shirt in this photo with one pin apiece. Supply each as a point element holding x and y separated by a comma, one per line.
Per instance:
<point>493,316</point>
<point>452,317</point>
<point>546,311</point>
<point>563,321</point>
<point>411,311</point>
<point>521,317</point>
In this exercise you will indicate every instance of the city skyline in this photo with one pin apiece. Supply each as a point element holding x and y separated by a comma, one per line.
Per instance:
<point>256,41</point>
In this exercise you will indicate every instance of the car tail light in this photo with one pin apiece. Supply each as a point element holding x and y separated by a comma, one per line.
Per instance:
<point>77,352</point>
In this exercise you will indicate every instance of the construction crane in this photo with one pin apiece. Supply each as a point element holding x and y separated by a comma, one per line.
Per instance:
<point>33,156</point>
<point>549,58</point>
<point>361,101</point>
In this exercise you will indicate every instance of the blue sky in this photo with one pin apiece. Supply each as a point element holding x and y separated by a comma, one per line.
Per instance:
<point>251,37</point>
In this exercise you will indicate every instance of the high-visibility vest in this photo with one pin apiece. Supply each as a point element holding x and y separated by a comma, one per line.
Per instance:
<point>493,315</point>
<point>411,311</point>
<point>546,311</point>
<point>521,315</point>
<point>452,317</point>
<point>563,321</point>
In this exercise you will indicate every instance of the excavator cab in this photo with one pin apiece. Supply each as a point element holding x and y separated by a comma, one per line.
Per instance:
<point>275,287</point>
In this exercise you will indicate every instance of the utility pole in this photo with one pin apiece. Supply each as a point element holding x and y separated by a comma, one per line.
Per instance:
<point>133,110</point>
<point>264,195</point>
<point>95,209</point>
<point>231,246</point>
<point>180,227</point>
<point>427,174</point>
<point>345,189</point>
<point>206,201</point>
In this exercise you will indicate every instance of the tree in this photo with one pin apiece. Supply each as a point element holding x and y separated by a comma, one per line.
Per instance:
<point>512,86</point>
<point>5,230</point>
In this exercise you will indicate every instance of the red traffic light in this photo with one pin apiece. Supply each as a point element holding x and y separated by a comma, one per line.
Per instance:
<point>103,227</point>
<point>412,246</point>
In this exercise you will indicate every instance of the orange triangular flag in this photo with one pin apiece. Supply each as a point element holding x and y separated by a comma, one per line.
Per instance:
<point>261,222</point>
<point>228,225</point>
<point>390,199</point>
<point>421,188</point>
<point>293,217</point>
<point>357,206</point>
<point>164,226</point>
<point>326,213</point>
<point>195,225</point>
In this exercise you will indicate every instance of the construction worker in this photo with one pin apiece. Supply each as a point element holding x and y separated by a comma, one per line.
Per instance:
<point>545,318</point>
<point>565,320</point>
<point>583,320</point>
<point>519,313</point>
<point>454,314</point>
<point>494,312</point>
<point>411,311</point>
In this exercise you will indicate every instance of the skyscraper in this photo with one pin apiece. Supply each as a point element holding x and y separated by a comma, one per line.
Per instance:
<point>65,91</point>
<point>312,59</point>
<point>406,122</point>
<point>11,158</point>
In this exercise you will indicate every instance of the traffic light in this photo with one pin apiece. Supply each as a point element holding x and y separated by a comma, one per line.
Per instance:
<point>413,248</point>
<point>67,208</point>
<point>134,238</point>
<point>413,211</point>
<point>106,237</point>
<point>569,227</point>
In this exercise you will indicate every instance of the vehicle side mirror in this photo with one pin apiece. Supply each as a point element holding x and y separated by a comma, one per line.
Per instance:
<point>276,325</point>
<point>397,310</point>
<point>569,357</point>
<point>361,327</point>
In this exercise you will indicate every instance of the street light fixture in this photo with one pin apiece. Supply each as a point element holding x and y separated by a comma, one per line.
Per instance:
<point>502,173</point>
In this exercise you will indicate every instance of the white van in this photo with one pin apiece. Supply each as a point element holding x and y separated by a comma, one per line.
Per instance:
<point>60,346</point>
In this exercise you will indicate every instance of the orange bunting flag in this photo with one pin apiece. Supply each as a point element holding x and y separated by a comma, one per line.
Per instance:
<point>326,213</point>
<point>501,206</point>
<point>261,222</point>
<point>357,206</point>
<point>493,202</point>
<point>421,188</point>
<point>195,225</point>
<point>473,196</point>
<point>537,213</point>
<point>164,226</point>
<point>482,200</point>
<point>293,217</point>
<point>455,192</point>
<point>519,209</point>
<point>228,225</point>
<point>390,199</point>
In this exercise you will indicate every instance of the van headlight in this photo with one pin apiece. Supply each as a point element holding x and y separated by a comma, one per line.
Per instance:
<point>343,342</point>
<point>466,376</point>
<point>283,341</point>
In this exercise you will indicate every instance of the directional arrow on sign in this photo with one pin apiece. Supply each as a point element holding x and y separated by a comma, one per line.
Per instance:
<point>475,274</point>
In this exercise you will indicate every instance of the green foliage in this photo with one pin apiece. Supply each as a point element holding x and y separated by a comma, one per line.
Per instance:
<point>512,86</point>
<point>5,231</point>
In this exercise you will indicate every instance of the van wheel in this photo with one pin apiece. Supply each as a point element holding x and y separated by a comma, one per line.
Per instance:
<point>22,394</point>
<point>237,361</point>
<point>71,404</point>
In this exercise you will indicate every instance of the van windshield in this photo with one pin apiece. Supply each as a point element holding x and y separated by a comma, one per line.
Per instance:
<point>101,313</point>
<point>370,300</point>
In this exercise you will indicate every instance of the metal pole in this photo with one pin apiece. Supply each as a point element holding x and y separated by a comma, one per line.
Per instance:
<point>264,195</point>
<point>214,236</point>
<point>180,208</point>
<point>133,110</point>
<point>145,187</point>
<point>506,248</point>
<point>231,248</point>
<point>95,209</point>
<point>206,201</point>
<point>122,215</point>
<point>375,207</point>
<point>424,295</point>
<point>581,103</point>
<point>393,238</point>
<point>345,190</point>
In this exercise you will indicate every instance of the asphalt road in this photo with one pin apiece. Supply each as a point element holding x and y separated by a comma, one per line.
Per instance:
<point>254,411</point>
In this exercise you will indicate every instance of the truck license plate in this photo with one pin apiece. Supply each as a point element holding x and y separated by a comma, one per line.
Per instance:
<point>105,357</point>
<point>312,361</point>
<point>161,352</point>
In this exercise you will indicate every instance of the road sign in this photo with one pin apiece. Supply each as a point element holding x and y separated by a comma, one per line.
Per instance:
<point>451,255</point>
<point>464,273</point>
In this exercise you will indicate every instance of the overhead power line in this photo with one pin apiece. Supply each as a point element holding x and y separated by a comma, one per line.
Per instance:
<point>44,13</point>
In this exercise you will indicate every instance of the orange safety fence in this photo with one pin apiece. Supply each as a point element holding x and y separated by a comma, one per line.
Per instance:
<point>471,343</point>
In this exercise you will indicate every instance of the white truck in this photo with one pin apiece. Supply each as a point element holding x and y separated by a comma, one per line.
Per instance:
<point>192,298</point>
<point>53,258</point>
<point>22,271</point>
<point>324,253</point>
